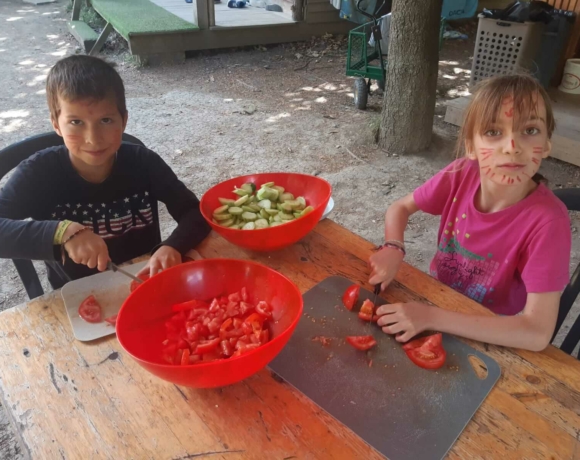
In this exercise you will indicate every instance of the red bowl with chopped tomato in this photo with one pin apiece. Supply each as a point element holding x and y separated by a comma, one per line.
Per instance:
<point>315,190</point>
<point>142,329</point>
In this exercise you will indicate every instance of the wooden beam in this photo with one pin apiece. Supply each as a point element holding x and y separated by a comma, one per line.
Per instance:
<point>101,40</point>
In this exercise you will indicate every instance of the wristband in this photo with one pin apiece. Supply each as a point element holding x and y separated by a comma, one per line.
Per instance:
<point>396,243</point>
<point>60,230</point>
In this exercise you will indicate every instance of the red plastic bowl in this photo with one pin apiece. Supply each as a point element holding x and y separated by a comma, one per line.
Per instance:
<point>141,329</point>
<point>315,190</point>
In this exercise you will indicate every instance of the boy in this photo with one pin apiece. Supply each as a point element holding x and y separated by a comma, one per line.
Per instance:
<point>93,199</point>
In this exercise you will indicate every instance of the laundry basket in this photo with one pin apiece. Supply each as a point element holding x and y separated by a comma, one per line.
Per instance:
<point>503,48</point>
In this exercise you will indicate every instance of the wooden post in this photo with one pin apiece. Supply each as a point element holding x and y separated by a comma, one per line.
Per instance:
<point>76,11</point>
<point>298,10</point>
<point>201,14</point>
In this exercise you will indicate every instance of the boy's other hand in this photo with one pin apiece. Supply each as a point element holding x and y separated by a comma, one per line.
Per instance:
<point>165,257</point>
<point>86,248</point>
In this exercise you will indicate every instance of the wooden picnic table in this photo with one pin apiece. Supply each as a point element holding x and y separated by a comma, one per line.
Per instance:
<point>84,400</point>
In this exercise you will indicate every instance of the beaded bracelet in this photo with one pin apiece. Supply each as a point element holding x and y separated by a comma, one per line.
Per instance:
<point>393,246</point>
<point>62,251</point>
<point>396,243</point>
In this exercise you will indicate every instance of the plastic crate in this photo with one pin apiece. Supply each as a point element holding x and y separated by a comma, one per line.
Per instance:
<point>503,48</point>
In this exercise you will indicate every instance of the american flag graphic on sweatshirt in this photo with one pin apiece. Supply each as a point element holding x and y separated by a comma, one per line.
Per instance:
<point>112,219</point>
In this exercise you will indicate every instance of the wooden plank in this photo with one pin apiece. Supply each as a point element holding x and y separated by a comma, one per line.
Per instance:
<point>227,37</point>
<point>566,137</point>
<point>321,17</point>
<point>319,7</point>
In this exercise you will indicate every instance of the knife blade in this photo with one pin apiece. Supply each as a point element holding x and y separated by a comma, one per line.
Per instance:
<point>113,267</point>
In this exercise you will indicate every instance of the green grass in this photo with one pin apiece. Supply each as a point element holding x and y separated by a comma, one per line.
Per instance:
<point>134,17</point>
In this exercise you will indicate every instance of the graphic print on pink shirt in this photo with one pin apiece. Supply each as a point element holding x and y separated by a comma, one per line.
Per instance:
<point>461,269</point>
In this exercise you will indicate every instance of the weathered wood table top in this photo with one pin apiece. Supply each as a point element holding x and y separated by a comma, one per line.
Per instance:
<point>76,400</point>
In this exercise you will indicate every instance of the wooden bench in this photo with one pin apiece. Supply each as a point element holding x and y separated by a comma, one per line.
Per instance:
<point>132,19</point>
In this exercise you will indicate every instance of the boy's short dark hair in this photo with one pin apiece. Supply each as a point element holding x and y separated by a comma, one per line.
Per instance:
<point>81,77</point>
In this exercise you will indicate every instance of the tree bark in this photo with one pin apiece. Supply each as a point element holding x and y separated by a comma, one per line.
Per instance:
<point>411,81</point>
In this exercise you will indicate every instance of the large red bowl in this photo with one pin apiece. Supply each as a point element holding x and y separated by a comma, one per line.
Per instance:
<point>315,190</point>
<point>141,329</point>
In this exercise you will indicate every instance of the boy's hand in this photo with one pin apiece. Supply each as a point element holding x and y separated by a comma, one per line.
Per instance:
<point>86,248</point>
<point>405,320</point>
<point>165,257</point>
<point>384,266</point>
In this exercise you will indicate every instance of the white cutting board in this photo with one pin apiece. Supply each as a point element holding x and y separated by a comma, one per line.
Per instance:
<point>109,288</point>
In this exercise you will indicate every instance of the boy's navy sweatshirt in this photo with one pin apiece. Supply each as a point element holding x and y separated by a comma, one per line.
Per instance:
<point>45,189</point>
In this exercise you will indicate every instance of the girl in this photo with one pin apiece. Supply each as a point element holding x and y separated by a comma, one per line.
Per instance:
<point>504,238</point>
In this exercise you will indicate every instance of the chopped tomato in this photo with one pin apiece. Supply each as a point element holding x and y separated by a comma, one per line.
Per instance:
<point>350,296</point>
<point>227,326</point>
<point>190,305</point>
<point>427,352</point>
<point>361,342</point>
<point>245,307</point>
<point>253,318</point>
<point>227,348</point>
<point>112,320</point>
<point>90,310</point>
<point>366,311</point>
<point>264,310</point>
<point>235,297</point>
<point>205,346</point>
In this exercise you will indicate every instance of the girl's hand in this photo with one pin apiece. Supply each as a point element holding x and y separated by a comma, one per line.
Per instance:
<point>86,248</point>
<point>405,320</point>
<point>165,257</point>
<point>384,266</point>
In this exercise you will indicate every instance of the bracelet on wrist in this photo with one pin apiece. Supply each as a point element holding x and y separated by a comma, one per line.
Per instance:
<point>393,246</point>
<point>399,243</point>
<point>60,231</point>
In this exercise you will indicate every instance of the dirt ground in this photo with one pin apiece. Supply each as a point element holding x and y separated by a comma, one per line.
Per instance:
<point>233,112</point>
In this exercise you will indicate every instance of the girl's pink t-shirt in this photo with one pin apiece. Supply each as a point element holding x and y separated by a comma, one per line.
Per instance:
<point>496,258</point>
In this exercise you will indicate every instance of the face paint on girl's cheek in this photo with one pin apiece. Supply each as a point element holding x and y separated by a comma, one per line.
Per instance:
<point>536,161</point>
<point>538,150</point>
<point>486,152</point>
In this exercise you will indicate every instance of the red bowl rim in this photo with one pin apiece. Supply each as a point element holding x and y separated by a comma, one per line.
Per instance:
<point>318,206</point>
<point>249,353</point>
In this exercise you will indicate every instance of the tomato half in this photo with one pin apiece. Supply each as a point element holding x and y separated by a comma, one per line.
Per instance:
<point>350,296</point>
<point>90,310</point>
<point>361,342</point>
<point>367,310</point>
<point>427,352</point>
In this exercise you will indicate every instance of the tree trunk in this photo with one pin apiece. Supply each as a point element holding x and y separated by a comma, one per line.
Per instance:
<point>411,84</point>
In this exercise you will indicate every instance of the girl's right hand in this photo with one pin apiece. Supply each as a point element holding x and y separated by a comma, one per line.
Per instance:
<point>86,248</point>
<point>384,266</point>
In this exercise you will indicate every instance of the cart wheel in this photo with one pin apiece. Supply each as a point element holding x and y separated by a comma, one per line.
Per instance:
<point>361,93</point>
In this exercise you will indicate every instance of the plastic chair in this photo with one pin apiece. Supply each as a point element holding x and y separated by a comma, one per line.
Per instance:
<point>12,156</point>
<point>571,198</point>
